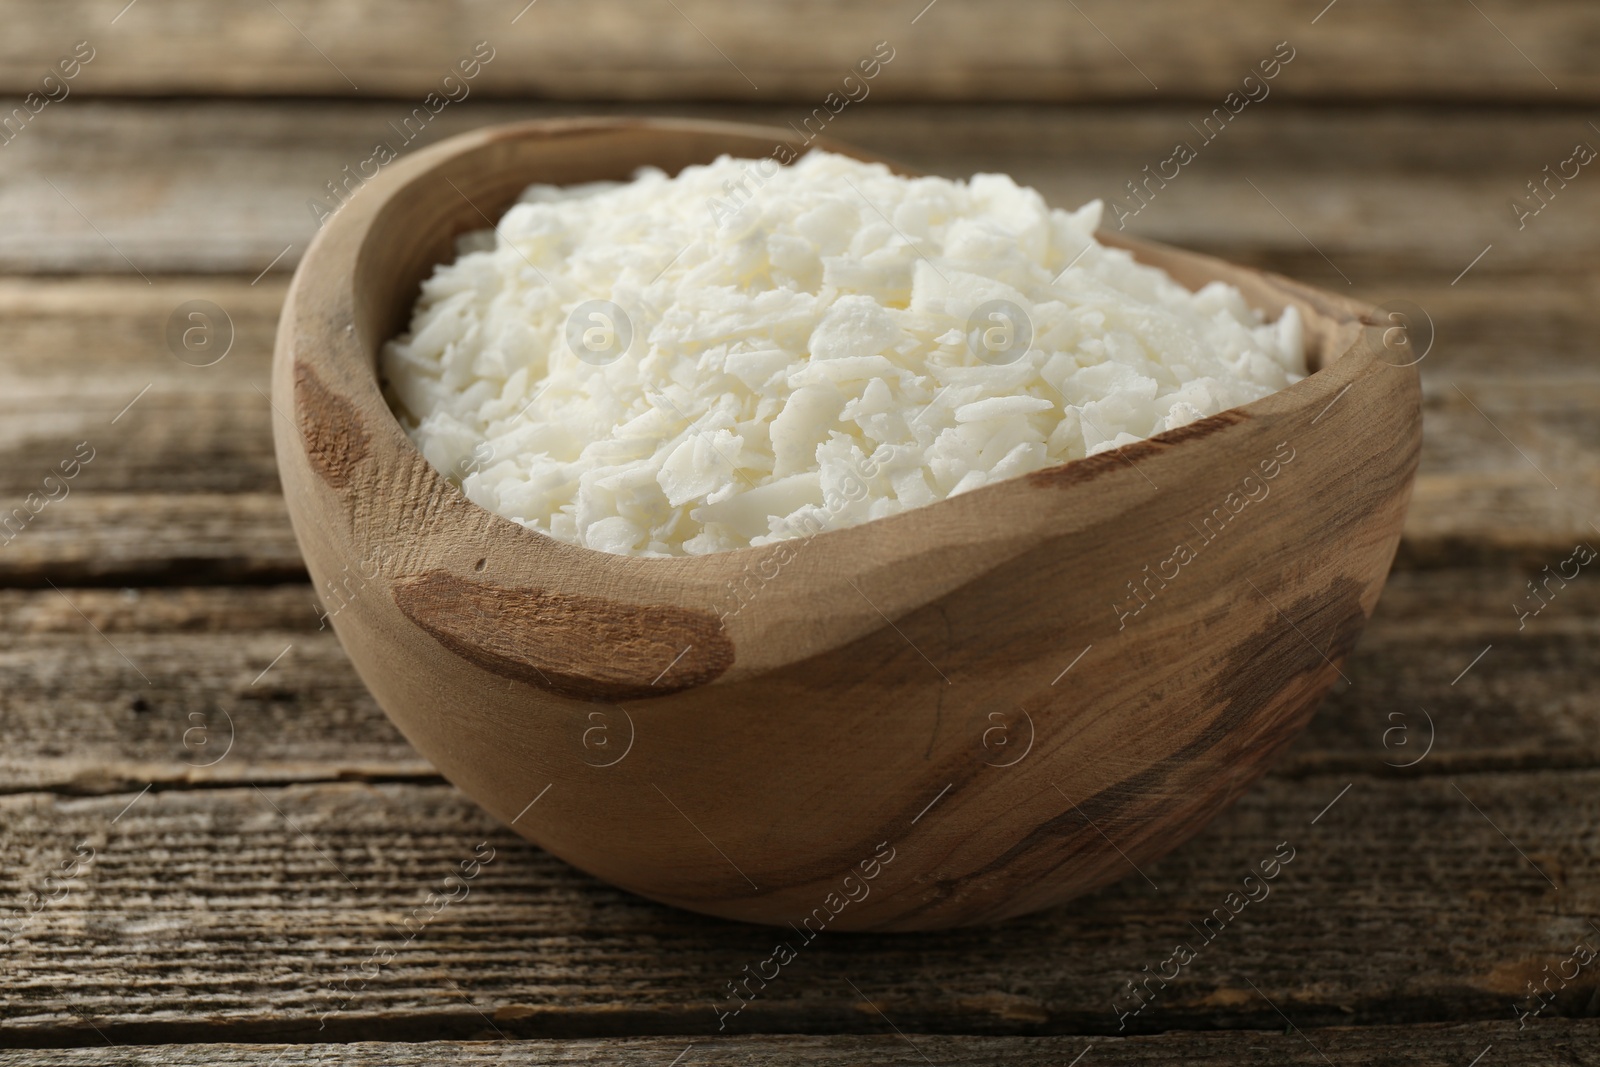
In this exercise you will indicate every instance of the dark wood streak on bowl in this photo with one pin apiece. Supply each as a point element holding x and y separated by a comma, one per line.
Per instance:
<point>335,441</point>
<point>583,647</point>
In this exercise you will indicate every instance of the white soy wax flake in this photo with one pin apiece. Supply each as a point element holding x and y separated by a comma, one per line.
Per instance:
<point>662,367</point>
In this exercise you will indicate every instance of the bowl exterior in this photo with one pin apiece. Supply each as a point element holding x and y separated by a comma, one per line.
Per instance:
<point>952,716</point>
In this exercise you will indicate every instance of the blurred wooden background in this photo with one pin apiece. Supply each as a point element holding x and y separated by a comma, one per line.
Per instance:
<point>1001,50</point>
<point>226,898</point>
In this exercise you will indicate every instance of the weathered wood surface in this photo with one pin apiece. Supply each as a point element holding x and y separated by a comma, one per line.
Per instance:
<point>1411,191</point>
<point>207,917</point>
<point>78,717</point>
<point>699,49</point>
<point>227,913</point>
<point>1559,1041</point>
<point>154,538</point>
<point>183,485</point>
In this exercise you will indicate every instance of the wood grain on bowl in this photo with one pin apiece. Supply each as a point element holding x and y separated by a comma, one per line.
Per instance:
<point>993,703</point>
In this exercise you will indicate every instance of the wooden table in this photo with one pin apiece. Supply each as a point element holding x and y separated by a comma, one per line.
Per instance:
<point>234,833</point>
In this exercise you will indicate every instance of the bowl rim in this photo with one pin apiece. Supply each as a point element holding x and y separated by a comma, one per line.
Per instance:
<point>350,231</point>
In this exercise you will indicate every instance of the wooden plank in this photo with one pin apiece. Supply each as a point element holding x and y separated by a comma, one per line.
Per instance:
<point>1507,462</point>
<point>1530,701</point>
<point>155,539</point>
<point>90,361</point>
<point>225,186</point>
<point>183,487</point>
<point>1566,1041</point>
<point>224,685</point>
<point>701,49</point>
<point>239,913</point>
<point>79,717</point>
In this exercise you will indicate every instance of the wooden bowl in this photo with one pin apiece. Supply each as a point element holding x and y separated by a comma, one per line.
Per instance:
<point>954,715</point>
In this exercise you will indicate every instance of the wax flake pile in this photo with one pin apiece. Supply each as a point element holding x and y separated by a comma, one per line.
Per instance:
<point>749,352</point>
